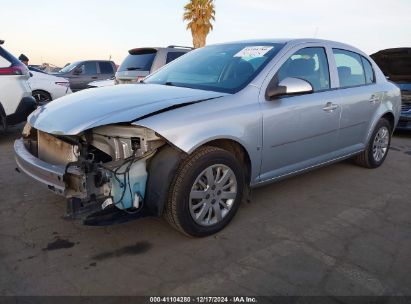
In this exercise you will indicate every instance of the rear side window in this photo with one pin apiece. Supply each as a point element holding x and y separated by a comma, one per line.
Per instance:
<point>368,70</point>
<point>138,60</point>
<point>310,64</point>
<point>106,68</point>
<point>89,68</point>
<point>173,56</point>
<point>350,68</point>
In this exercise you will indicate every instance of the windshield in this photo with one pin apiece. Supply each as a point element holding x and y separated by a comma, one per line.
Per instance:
<point>68,68</point>
<point>140,59</point>
<point>223,68</point>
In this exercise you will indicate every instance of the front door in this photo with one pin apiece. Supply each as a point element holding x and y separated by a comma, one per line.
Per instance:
<point>301,131</point>
<point>85,73</point>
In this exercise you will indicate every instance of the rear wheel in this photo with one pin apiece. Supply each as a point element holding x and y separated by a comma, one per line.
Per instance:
<point>41,97</point>
<point>377,149</point>
<point>206,192</point>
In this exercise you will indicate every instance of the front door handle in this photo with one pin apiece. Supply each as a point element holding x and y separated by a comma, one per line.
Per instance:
<point>329,107</point>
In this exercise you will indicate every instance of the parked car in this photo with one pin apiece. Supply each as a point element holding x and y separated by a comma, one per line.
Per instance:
<point>191,140</point>
<point>81,73</point>
<point>16,102</point>
<point>46,87</point>
<point>396,65</point>
<point>143,61</point>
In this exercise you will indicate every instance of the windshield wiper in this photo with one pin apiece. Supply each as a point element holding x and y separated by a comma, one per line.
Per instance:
<point>134,68</point>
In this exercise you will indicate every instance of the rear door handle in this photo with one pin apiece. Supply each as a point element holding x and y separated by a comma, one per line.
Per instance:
<point>329,107</point>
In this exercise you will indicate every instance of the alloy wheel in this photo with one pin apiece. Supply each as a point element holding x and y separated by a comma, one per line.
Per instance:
<point>380,144</point>
<point>212,195</point>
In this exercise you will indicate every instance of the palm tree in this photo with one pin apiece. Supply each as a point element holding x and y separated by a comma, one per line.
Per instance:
<point>199,14</point>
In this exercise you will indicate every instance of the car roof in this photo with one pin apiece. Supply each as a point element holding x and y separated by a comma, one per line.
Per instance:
<point>174,47</point>
<point>296,41</point>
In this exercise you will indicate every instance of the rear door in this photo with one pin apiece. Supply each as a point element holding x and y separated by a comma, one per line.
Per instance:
<point>300,131</point>
<point>106,70</point>
<point>360,98</point>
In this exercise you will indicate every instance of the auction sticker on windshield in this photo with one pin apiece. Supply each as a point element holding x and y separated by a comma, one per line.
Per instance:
<point>253,51</point>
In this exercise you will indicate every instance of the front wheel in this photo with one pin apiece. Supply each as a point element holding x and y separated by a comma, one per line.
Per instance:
<point>42,97</point>
<point>206,192</point>
<point>377,149</point>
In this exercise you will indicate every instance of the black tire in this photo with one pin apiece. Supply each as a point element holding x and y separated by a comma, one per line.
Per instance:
<point>366,158</point>
<point>3,123</point>
<point>177,210</point>
<point>41,97</point>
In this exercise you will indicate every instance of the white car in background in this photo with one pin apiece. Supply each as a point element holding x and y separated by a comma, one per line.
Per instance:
<point>46,87</point>
<point>16,102</point>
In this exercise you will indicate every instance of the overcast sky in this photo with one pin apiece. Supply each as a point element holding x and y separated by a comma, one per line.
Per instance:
<point>62,31</point>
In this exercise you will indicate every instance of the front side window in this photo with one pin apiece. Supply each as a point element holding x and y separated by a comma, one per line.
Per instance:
<point>349,67</point>
<point>222,68</point>
<point>310,64</point>
<point>88,68</point>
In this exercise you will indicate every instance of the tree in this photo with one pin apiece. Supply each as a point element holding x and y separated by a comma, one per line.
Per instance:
<point>199,14</point>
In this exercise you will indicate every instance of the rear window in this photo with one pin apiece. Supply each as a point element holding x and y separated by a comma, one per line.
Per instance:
<point>7,59</point>
<point>4,63</point>
<point>138,60</point>
<point>106,68</point>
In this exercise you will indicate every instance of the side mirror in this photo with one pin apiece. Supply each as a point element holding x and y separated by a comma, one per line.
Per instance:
<point>77,71</point>
<point>288,86</point>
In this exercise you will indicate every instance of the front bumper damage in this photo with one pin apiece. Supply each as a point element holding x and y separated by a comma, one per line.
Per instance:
<point>102,172</point>
<point>52,176</point>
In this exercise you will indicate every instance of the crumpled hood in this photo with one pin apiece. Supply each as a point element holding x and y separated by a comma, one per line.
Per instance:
<point>74,113</point>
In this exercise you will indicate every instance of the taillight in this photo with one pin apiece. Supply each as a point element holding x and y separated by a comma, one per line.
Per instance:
<point>14,70</point>
<point>64,84</point>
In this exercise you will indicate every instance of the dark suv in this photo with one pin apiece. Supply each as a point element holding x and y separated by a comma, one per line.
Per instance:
<point>396,65</point>
<point>141,62</point>
<point>81,73</point>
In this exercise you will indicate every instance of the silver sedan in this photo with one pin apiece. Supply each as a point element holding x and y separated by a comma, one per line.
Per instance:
<point>190,141</point>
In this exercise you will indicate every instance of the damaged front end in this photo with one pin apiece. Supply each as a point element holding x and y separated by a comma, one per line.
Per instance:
<point>102,171</point>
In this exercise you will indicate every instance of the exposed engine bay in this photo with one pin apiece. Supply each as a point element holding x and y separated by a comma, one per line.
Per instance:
<point>105,166</point>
